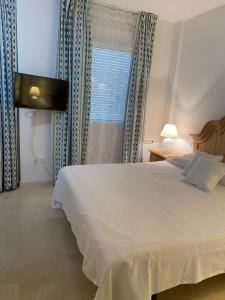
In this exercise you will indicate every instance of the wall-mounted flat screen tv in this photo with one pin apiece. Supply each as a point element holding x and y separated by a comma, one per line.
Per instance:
<point>37,92</point>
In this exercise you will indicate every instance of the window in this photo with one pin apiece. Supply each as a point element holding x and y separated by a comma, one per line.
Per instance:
<point>110,79</point>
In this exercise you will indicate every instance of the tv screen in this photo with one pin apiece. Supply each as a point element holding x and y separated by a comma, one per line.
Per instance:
<point>40,92</point>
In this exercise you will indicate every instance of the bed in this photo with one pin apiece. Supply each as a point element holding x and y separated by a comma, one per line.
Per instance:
<point>132,223</point>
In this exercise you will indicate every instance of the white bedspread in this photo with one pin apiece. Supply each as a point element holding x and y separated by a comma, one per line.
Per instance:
<point>141,229</point>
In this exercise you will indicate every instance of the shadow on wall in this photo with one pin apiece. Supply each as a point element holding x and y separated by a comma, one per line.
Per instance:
<point>154,117</point>
<point>199,94</point>
<point>172,80</point>
<point>40,118</point>
<point>192,113</point>
<point>35,145</point>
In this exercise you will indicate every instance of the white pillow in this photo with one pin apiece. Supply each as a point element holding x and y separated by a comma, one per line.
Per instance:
<point>181,161</point>
<point>198,155</point>
<point>205,174</point>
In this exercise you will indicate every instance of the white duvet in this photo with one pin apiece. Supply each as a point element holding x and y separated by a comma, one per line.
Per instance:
<point>141,229</point>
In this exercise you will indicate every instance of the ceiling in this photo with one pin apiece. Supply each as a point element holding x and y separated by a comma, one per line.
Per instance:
<point>169,10</point>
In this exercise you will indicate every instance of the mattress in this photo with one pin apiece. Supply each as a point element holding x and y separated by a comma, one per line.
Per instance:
<point>142,230</point>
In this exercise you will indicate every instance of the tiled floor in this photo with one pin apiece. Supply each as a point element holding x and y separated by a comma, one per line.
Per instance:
<point>39,259</point>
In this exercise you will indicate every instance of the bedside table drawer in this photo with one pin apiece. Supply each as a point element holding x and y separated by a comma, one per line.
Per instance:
<point>161,154</point>
<point>155,157</point>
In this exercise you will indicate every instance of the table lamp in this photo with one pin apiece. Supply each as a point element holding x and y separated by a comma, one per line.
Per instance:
<point>169,133</point>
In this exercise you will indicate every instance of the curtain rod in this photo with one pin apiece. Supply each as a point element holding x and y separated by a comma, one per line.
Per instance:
<point>114,7</point>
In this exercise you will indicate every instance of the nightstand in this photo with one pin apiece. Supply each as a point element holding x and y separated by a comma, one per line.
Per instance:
<point>161,154</point>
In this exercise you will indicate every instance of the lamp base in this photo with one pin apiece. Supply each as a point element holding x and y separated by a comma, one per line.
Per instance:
<point>167,144</point>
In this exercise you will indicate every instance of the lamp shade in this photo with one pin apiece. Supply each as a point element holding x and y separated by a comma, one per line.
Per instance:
<point>169,131</point>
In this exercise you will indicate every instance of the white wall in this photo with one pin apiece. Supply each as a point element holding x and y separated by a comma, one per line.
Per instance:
<point>37,23</point>
<point>172,10</point>
<point>200,93</point>
<point>157,92</point>
<point>158,85</point>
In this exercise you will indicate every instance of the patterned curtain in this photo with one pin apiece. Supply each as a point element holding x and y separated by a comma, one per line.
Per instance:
<point>134,123</point>
<point>74,64</point>
<point>8,65</point>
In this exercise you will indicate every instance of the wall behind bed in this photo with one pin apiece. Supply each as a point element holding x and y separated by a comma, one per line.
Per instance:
<point>199,93</point>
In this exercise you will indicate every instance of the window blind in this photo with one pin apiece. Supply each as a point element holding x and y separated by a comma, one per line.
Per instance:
<point>110,80</point>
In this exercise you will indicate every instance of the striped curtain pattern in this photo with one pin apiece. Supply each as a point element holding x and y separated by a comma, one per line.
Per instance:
<point>142,58</point>
<point>73,64</point>
<point>8,66</point>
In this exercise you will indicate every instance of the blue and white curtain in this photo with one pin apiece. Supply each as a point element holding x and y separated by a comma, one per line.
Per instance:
<point>74,65</point>
<point>8,66</point>
<point>135,113</point>
<point>77,21</point>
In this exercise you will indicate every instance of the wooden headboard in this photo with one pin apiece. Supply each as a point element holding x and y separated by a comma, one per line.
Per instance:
<point>212,138</point>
